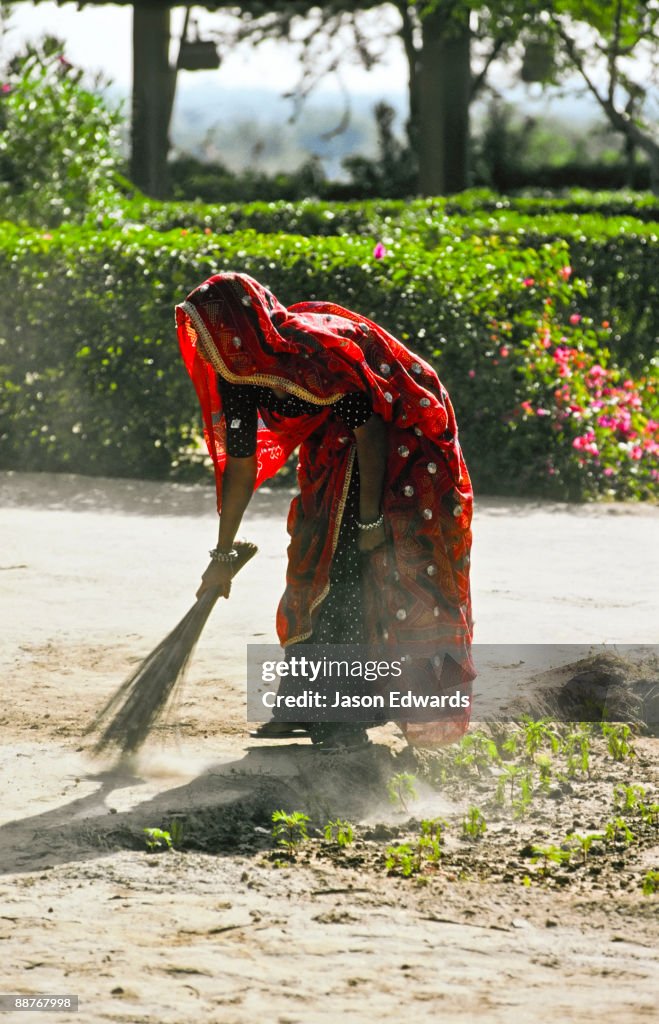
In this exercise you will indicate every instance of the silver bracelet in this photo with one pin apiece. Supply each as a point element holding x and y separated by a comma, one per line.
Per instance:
<point>223,556</point>
<point>371,526</point>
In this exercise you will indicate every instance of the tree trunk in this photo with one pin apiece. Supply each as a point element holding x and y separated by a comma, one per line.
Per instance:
<point>152,98</point>
<point>444,90</point>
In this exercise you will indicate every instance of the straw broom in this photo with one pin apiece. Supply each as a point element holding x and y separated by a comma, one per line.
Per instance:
<point>141,700</point>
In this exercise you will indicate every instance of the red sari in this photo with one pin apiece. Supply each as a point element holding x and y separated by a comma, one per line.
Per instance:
<point>233,326</point>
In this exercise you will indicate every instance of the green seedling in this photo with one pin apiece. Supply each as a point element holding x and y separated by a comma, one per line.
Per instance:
<point>584,842</point>
<point>544,763</point>
<point>290,830</point>
<point>549,855</point>
<point>576,747</point>
<point>402,860</point>
<point>157,839</point>
<point>518,777</point>
<point>476,750</point>
<point>649,813</point>
<point>628,798</point>
<point>651,883</point>
<point>617,741</point>
<point>339,832</point>
<point>474,824</point>
<point>407,859</point>
<point>537,734</point>
<point>401,788</point>
<point>617,830</point>
<point>429,842</point>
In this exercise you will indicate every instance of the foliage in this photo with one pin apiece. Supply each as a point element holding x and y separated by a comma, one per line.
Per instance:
<point>542,404</point>
<point>290,830</point>
<point>421,856</point>
<point>584,842</point>
<point>474,824</point>
<point>58,140</point>
<point>157,839</point>
<point>617,740</point>
<point>548,855</point>
<point>401,788</point>
<point>650,883</point>
<point>340,832</point>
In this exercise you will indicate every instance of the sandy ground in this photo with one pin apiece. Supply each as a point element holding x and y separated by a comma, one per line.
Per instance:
<point>93,574</point>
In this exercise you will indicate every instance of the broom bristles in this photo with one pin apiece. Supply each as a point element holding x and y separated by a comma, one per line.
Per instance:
<point>141,700</point>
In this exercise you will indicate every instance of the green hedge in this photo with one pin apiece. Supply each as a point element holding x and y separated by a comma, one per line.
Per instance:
<point>616,254</point>
<point>94,384</point>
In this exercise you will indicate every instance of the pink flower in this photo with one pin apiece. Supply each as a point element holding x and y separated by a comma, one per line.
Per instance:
<point>608,471</point>
<point>636,453</point>
<point>545,338</point>
<point>379,252</point>
<point>597,371</point>
<point>504,352</point>
<point>575,318</point>
<point>472,374</point>
<point>542,412</point>
<point>565,273</point>
<point>606,421</point>
<point>47,236</point>
<point>5,88</point>
<point>527,407</point>
<point>528,282</point>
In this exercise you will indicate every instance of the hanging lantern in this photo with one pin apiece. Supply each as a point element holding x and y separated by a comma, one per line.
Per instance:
<point>538,61</point>
<point>198,55</point>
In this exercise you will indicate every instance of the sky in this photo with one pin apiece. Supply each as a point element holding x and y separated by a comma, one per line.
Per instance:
<point>99,38</point>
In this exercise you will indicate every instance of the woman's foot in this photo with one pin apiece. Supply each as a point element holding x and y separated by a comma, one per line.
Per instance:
<point>280,730</point>
<point>338,734</point>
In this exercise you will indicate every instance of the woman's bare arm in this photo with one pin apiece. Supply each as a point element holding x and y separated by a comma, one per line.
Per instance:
<point>371,441</point>
<point>237,488</point>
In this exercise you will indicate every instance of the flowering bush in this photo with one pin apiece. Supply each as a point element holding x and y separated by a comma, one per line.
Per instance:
<point>58,140</point>
<point>592,426</point>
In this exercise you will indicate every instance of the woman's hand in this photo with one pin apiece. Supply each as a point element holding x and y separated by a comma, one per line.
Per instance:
<point>217,577</point>
<point>369,540</point>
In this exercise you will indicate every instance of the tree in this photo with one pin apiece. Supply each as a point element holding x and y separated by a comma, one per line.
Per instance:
<point>613,45</point>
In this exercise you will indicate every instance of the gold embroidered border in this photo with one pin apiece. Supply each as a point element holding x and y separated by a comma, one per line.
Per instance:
<point>335,540</point>
<point>212,356</point>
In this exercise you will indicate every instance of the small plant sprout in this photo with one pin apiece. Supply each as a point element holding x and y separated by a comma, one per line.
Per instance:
<point>651,883</point>
<point>628,798</point>
<point>584,842</point>
<point>617,741</point>
<point>339,832</point>
<point>543,762</point>
<point>401,788</point>
<point>474,824</point>
<point>157,839</point>
<point>429,842</point>
<point>650,813</point>
<point>402,860</point>
<point>618,831</point>
<point>537,734</point>
<point>549,855</point>
<point>289,830</point>
<point>476,750</point>
<point>576,747</point>
<point>407,859</point>
<point>515,775</point>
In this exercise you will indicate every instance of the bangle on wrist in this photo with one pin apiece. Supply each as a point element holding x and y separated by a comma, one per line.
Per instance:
<point>217,555</point>
<point>371,526</point>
